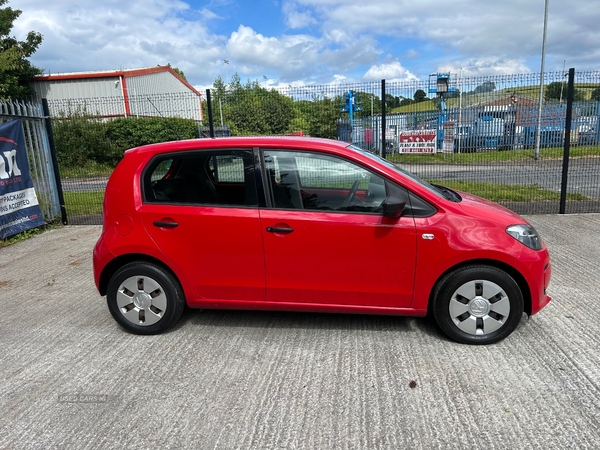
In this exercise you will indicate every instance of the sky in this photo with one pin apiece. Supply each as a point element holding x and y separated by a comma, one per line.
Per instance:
<point>304,42</point>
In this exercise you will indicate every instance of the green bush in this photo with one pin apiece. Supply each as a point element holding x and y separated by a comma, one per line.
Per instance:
<point>82,140</point>
<point>126,133</point>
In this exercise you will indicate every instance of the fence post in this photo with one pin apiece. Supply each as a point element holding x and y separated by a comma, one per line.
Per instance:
<point>565,168</point>
<point>383,116</point>
<point>210,114</point>
<point>61,197</point>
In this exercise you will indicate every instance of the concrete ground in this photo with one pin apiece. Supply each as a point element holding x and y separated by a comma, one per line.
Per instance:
<point>71,378</point>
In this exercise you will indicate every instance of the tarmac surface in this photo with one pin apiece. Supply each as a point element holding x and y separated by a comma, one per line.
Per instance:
<point>71,378</point>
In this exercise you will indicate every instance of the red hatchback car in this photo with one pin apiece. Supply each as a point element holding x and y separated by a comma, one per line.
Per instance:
<point>302,224</point>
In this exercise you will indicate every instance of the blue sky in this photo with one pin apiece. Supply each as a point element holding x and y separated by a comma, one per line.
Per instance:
<point>299,42</point>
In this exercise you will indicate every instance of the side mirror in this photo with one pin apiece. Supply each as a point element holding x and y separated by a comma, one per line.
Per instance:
<point>393,207</point>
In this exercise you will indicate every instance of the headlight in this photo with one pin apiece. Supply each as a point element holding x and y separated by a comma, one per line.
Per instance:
<point>527,235</point>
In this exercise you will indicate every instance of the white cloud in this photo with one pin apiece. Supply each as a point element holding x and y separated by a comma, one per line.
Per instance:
<point>392,71</point>
<point>363,40</point>
<point>85,35</point>
<point>475,67</point>
<point>296,56</point>
<point>207,14</point>
<point>509,30</point>
<point>254,53</point>
<point>297,19</point>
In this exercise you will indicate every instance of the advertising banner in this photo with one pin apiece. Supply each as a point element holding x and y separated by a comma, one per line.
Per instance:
<point>417,141</point>
<point>19,208</point>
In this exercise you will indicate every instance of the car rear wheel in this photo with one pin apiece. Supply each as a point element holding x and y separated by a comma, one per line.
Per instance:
<point>478,305</point>
<point>144,298</point>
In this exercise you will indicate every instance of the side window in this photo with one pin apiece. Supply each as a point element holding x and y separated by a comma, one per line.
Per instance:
<point>227,168</point>
<point>224,178</point>
<point>316,182</point>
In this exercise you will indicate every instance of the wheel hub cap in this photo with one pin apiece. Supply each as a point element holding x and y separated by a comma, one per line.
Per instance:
<point>142,300</point>
<point>479,307</point>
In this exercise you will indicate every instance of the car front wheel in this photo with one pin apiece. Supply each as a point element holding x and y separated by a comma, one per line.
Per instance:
<point>478,305</point>
<point>144,298</point>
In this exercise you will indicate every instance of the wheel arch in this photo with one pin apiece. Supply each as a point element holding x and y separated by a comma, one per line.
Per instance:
<point>111,268</point>
<point>515,274</point>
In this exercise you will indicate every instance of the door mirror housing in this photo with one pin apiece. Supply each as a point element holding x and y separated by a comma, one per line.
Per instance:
<point>393,207</point>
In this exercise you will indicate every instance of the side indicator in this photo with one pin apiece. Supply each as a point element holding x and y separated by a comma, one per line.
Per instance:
<point>427,236</point>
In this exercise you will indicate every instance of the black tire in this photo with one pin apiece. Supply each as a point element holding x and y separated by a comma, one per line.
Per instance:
<point>144,298</point>
<point>477,305</point>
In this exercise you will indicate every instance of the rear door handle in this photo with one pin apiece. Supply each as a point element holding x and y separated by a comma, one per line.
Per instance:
<point>279,230</point>
<point>161,224</point>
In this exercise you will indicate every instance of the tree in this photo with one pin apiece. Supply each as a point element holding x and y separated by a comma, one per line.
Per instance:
<point>596,95</point>
<point>558,91</point>
<point>15,70</point>
<point>452,94</point>
<point>324,118</point>
<point>219,87</point>
<point>363,99</point>
<point>486,86</point>
<point>391,101</point>
<point>405,101</point>
<point>555,91</point>
<point>420,95</point>
<point>177,71</point>
<point>251,109</point>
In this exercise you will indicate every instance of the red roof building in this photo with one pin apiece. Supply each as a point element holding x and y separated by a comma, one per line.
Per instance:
<point>147,92</point>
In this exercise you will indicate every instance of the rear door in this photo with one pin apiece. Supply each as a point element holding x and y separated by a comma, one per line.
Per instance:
<point>200,208</point>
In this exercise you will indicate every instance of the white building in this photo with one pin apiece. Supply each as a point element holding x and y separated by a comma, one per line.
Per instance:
<point>147,92</point>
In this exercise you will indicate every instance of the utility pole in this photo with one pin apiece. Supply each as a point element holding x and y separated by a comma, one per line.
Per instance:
<point>538,131</point>
<point>460,89</point>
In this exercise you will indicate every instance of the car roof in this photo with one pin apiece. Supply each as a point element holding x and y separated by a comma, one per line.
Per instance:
<point>229,142</point>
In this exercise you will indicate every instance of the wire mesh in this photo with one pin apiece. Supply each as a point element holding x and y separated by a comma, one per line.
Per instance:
<point>479,136</point>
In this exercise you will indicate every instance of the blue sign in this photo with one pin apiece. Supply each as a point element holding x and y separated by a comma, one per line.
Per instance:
<point>19,208</point>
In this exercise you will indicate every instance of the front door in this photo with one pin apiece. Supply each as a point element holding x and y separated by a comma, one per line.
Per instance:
<point>326,240</point>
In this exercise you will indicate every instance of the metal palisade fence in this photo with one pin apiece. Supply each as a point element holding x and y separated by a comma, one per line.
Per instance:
<point>42,165</point>
<point>490,136</point>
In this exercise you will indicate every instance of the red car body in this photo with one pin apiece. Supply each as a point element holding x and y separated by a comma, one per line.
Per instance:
<point>334,261</point>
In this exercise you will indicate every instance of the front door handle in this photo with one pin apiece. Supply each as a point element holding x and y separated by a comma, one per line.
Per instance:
<point>279,230</point>
<point>165,224</point>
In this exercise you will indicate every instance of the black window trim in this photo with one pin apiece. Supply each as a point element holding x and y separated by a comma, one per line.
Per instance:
<point>156,159</point>
<point>266,191</point>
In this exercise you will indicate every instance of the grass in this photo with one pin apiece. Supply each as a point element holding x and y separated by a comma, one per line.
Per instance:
<point>91,169</point>
<point>87,203</point>
<point>506,192</point>
<point>84,203</point>
<point>26,234</point>
<point>76,203</point>
<point>470,98</point>
<point>493,156</point>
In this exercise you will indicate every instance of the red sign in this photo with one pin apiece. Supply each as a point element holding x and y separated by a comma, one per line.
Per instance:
<point>417,141</point>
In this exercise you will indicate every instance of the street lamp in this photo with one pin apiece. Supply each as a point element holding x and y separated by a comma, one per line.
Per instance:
<point>221,110</point>
<point>226,61</point>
